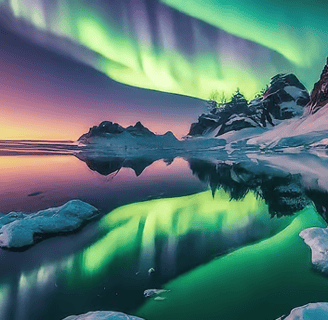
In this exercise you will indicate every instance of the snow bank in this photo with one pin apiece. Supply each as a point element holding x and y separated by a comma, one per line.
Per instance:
<point>307,124</point>
<point>103,315</point>
<point>19,229</point>
<point>317,240</point>
<point>311,311</point>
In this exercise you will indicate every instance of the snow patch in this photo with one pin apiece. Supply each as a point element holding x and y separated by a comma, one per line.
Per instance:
<point>294,91</point>
<point>291,107</point>
<point>317,240</point>
<point>103,315</point>
<point>311,311</point>
<point>19,229</point>
<point>294,127</point>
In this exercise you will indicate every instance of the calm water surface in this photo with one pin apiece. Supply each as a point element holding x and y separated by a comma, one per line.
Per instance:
<point>231,256</point>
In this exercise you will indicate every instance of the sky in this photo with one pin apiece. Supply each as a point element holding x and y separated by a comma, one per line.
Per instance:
<point>47,96</point>
<point>67,65</point>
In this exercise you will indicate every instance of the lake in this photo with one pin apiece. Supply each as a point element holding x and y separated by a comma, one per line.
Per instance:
<point>220,236</point>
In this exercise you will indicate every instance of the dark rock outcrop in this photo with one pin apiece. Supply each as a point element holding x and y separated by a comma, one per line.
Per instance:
<point>139,130</point>
<point>284,98</point>
<point>319,94</point>
<point>105,128</point>
<point>108,129</point>
<point>285,88</point>
<point>233,115</point>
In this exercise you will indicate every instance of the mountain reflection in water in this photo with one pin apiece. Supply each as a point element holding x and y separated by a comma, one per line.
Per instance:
<point>284,192</point>
<point>242,231</point>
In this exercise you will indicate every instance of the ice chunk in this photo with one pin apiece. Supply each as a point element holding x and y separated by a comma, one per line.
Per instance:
<point>154,292</point>
<point>103,315</point>
<point>19,229</point>
<point>311,311</point>
<point>317,240</point>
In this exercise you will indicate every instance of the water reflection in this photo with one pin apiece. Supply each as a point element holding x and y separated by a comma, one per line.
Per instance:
<point>250,218</point>
<point>35,147</point>
<point>55,179</point>
<point>259,281</point>
<point>171,235</point>
<point>108,165</point>
<point>284,193</point>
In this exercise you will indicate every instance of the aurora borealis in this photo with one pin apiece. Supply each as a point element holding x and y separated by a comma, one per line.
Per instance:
<point>166,46</point>
<point>295,29</point>
<point>140,43</point>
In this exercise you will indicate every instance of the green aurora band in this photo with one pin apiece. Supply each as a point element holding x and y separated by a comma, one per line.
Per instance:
<point>260,281</point>
<point>124,45</point>
<point>296,29</point>
<point>140,224</point>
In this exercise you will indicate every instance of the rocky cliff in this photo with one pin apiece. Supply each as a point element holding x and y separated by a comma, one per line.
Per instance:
<point>285,98</point>
<point>319,94</point>
<point>108,129</point>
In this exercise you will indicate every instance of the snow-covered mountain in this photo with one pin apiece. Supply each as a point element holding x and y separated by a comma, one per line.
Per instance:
<point>309,130</point>
<point>111,139</point>
<point>285,98</point>
<point>113,135</point>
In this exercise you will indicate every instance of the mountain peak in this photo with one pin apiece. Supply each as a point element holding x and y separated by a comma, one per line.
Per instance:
<point>109,129</point>
<point>139,130</point>
<point>319,94</point>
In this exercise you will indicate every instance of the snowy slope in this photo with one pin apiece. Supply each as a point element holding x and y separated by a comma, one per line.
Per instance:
<point>309,128</point>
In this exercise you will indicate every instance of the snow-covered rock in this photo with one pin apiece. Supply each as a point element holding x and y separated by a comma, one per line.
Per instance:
<point>103,315</point>
<point>311,311</point>
<point>131,145</point>
<point>285,98</point>
<point>114,132</point>
<point>317,240</point>
<point>111,139</point>
<point>306,130</point>
<point>20,230</point>
<point>232,116</point>
<point>319,94</point>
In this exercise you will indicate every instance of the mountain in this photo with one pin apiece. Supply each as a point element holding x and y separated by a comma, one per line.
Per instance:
<point>309,130</point>
<point>112,141</point>
<point>319,94</point>
<point>285,98</point>
<point>108,129</point>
